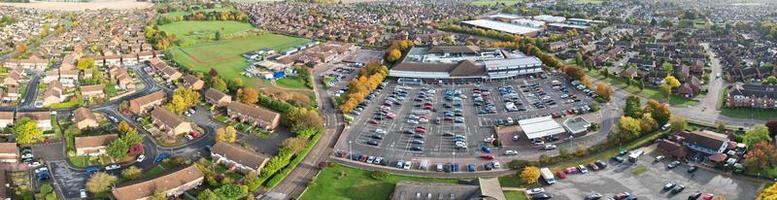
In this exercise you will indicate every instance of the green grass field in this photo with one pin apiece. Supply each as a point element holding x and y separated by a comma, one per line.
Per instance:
<point>195,32</point>
<point>515,195</point>
<point>589,1</point>
<point>647,92</point>
<point>340,182</point>
<point>291,83</point>
<point>495,2</point>
<point>748,113</point>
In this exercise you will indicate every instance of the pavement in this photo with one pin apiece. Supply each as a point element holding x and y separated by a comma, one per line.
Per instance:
<point>617,178</point>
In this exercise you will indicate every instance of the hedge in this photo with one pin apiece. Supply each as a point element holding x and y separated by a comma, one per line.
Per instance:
<point>281,165</point>
<point>274,104</point>
<point>278,177</point>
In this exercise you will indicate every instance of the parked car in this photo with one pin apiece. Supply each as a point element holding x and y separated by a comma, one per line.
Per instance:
<point>112,167</point>
<point>511,152</point>
<point>678,189</point>
<point>593,196</point>
<point>82,193</point>
<point>161,157</point>
<point>692,168</point>
<point>673,164</point>
<point>669,186</point>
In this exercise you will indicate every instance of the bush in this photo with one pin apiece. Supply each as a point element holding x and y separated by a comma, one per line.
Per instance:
<point>379,175</point>
<point>519,164</point>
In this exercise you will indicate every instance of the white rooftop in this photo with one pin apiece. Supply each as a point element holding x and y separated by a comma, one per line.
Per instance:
<point>505,16</point>
<point>501,26</point>
<point>513,63</point>
<point>540,127</point>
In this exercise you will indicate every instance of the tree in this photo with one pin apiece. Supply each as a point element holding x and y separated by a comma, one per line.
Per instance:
<point>295,144</point>
<point>756,134</point>
<point>769,193</point>
<point>530,175</point>
<point>666,90</point>
<point>678,123</point>
<point>131,172</point>
<point>630,126</point>
<point>647,123</point>
<point>208,194</point>
<point>667,67</point>
<point>132,137</point>
<point>100,182</point>
<point>579,59</point>
<point>772,126</point>
<point>604,90</point>
<point>633,107</point>
<point>249,96</point>
<point>231,191</point>
<point>218,84</point>
<point>771,80</point>
<point>124,127</point>
<point>21,48</point>
<point>721,126</point>
<point>217,35</point>
<point>117,149</point>
<point>227,134</point>
<point>672,81</point>
<point>84,64</point>
<point>761,156</point>
<point>26,131</point>
<point>659,111</point>
<point>393,55</point>
<point>302,119</point>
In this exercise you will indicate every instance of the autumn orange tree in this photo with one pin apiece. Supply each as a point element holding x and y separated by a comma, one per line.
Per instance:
<point>369,79</point>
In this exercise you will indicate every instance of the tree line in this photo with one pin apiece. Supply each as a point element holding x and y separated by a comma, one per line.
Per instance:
<point>369,79</point>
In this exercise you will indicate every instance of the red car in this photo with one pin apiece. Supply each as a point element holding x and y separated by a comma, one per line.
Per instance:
<point>707,196</point>
<point>420,131</point>
<point>571,170</point>
<point>420,127</point>
<point>428,104</point>
<point>487,156</point>
<point>561,175</point>
<point>372,121</point>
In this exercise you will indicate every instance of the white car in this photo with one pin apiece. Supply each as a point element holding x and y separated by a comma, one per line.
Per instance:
<point>408,165</point>
<point>141,157</point>
<point>535,191</point>
<point>371,159</point>
<point>27,155</point>
<point>34,164</point>
<point>381,131</point>
<point>189,137</point>
<point>550,147</point>
<point>42,169</point>
<point>112,167</point>
<point>511,152</point>
<point>83,193</point>
<point>497,165</point>
<point>410,121</point>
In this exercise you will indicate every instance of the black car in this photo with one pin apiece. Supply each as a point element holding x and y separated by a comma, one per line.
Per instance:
<point>541,196</point>
<point>618,159</point>
<point>601,164</point>
<point>678,189</point>
<point>372,142</point>
<point>377,136</point>
<point>416,148</point>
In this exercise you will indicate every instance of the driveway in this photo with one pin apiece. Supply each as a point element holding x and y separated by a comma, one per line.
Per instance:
<point>619,178</point>
<point>67,180</point>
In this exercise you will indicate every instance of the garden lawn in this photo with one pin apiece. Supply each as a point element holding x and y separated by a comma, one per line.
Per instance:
<point>647,92</point>
<point>515,195</point>
<point>748,113</point>
<point>495,2</point>
<point>67,104</point>
<point>291,83</point>
<point>226,55</point>
<point>340,182</point>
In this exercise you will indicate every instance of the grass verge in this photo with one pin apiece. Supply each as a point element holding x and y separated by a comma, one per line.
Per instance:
<point>515,195</point>
<point>291,83</point>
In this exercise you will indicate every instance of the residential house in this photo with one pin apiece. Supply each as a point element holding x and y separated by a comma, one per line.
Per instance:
<point>238,157</point>
<point>6,119</point>
<point>672,149</point>
<point>93,145</point>
<point>172,184</point>
<point>704,141</point>
<point>217,98</point>
<point>92,91</point>
<point>253,115</point>
<point>43,119</point>
<point>33,63</point>
<point>84,118</point>
<point>9,153</point>
<point>690,88</point>
<point>123,79</point>
<point>191,81</point>
<point>11,94</point>
<point>53,93</point>
<point>629,73</point>
<point>171,74</point>
<point>752,96</point>
<point>13,78</point>
<point>169,123</point>
<point>142,104</point>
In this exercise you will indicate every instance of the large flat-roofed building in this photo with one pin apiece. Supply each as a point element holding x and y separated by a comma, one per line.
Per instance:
<point>503,27</point>
<point>464,63</point>
<point>541,127</point>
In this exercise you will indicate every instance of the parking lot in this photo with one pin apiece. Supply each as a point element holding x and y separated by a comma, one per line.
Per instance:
<point>445,122</point>
<point>648,184</point>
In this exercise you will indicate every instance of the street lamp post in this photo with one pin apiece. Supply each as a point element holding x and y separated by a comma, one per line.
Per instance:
<point>350,150</point>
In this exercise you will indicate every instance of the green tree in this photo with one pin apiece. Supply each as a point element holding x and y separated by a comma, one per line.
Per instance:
<point>208,194</point>
<point>131,172</point>
<point>117,149</point>
<point>217,35</point>
<point>132,137</point>
<point>26,131</point>
<point>630,127</point>
<point>295,144</point>
<point>100,182</point>
<point>633,107</point>
<point>667,67</point>
<point>659,111</point>
<point>302,119</point>
<point>755,135</point>
<point>721,126</point>
<point>218,84</point>
<point>666,90</point>
<point>231,191</point>
<point>771,80</point>
<point>678,123</point>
